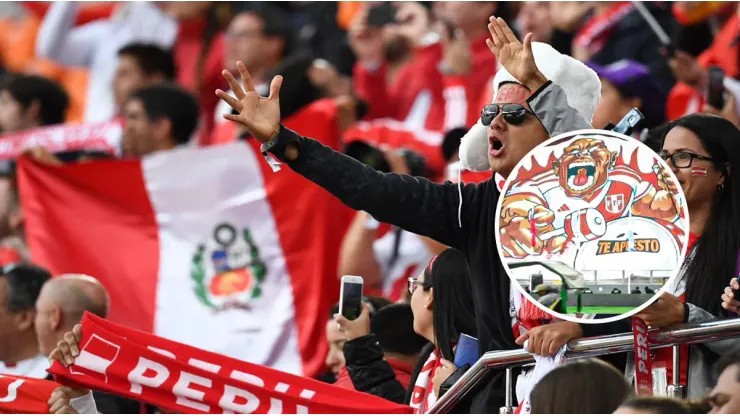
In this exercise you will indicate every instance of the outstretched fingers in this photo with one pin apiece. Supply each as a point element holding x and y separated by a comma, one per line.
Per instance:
<point>233,84</point>
<point>506,30</point>
<point>495,28</point>
<point>246,78</point>
<point>277,82</point>
<point>231,101</point>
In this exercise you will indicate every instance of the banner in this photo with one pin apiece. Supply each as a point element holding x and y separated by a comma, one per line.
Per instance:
<point>20,394</point>
<point>183,379</point>
<point>105,136</point>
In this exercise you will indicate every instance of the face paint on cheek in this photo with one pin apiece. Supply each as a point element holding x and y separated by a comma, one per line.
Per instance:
<point>698,171</point>
<point>511,93</point>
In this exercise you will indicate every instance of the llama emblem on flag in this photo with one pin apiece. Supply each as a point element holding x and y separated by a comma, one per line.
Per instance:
<point>227,271</point>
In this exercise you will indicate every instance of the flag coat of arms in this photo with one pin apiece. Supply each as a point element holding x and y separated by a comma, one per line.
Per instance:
<point>207,247</point>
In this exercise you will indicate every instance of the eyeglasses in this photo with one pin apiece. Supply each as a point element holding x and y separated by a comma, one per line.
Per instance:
<point>683,159</point>
<point>514,114</point>
<point>413,284</point>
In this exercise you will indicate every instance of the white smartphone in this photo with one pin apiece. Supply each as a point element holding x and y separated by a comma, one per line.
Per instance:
<point>350,297</point>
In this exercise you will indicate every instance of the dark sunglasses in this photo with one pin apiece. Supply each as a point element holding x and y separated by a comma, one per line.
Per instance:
<point>514,114</point>
<point>682,159</point>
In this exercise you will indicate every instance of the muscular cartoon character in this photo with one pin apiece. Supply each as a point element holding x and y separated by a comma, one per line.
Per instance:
<point>539,214</point>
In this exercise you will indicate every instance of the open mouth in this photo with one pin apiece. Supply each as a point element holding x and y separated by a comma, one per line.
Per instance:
<point>581,176</point>
<point>495,147</point>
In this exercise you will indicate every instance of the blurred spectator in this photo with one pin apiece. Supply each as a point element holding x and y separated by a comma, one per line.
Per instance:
<point>20,285</point>
<point>535,17</point>
<point>140,65</point>
<point>336,338</point>
<point>442,306</point>
<point>158,117</point>
<point>28,101</point>
<point>319,31</point>
<point>626,84</point>
<point>615,30</point>
<point>725,396</point>
<point>700,21</point>
<point>439,86</point>
<point>655,405</point>
<point>60,306</point>
<point>573,388</point>
<point>95,45</point>
<point>199,52</point>
<point>385,258</point>
<point>688,96</point>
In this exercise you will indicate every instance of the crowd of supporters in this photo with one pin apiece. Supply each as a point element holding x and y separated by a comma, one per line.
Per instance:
<point>395,86</point>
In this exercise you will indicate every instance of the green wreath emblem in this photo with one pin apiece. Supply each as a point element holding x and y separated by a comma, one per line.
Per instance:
<point>256,267</point>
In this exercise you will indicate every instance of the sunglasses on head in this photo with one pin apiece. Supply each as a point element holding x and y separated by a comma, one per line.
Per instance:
<point>514,114</point>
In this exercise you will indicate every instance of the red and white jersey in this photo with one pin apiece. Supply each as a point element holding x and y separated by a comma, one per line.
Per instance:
<point>413,257</point>
<point>613,199</point>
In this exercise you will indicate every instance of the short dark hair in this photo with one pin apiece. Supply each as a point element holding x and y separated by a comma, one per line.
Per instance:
<point>393,327</point>
<point>570,388</point>
<point>151,58</point>
<point>53,100</point>
<point>24,285</point>
<point>167,100</point>
<point>727,361</point>
<point>275,20</point>
<point>377,302</point>
<point>658,405</point>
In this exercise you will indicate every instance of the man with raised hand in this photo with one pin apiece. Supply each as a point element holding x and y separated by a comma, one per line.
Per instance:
<point>527,110</point>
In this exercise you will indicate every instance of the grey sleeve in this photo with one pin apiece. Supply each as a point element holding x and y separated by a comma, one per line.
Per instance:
<point>551,107</point>
<point>697,315</point>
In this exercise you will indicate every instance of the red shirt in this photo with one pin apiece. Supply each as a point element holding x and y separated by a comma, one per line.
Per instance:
<point>445,101</point>
<point>186,51</point>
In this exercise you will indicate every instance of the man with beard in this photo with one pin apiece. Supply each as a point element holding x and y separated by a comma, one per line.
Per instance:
<point>528,109</point>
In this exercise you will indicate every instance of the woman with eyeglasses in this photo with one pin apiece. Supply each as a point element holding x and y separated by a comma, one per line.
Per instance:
<point>703,151</point>
<point>442,305</point>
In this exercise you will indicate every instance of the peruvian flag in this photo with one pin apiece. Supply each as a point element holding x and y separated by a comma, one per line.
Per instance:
<point>206,246</point>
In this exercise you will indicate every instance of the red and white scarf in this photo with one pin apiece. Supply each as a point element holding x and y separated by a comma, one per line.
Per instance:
<point>180,378</point>
<point>423,396</point>
<point>20,394</point>
<point>596,31</point>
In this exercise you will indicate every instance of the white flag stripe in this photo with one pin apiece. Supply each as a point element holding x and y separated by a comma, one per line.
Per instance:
<point>192,192</point>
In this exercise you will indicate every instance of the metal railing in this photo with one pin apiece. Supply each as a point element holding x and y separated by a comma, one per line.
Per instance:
<point>588,347</point>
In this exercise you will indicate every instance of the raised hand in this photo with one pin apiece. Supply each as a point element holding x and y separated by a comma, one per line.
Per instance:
<point>515,56</point>
<point>729,301</point>
<point>259,115</point>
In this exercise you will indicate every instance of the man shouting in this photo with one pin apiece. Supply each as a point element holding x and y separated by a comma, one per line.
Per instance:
<point>527,109</point>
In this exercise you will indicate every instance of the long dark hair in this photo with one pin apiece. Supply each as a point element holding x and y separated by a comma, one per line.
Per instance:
<point>452,309</point>
<point>714,256</point>
<point>580,387</point>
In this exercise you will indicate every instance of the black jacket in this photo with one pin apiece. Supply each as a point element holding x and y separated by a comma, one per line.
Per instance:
<point>430,209</point>
<point>370,373</point>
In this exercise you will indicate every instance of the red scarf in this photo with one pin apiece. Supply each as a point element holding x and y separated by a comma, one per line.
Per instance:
<point>423,396</point>
<point>664,356</point>
<point>20,394</point>
<point>598,28</point>
<point>184,379</point>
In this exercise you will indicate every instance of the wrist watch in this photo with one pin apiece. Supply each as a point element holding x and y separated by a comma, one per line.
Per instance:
<point>264,147</point>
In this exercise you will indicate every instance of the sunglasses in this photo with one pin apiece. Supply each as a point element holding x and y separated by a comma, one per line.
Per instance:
<point>514,114</point>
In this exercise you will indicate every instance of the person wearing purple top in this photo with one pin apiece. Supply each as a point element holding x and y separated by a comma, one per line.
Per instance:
<point>626,84</point>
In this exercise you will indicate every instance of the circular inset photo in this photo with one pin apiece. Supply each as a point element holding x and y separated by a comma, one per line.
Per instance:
<point>592,222</point>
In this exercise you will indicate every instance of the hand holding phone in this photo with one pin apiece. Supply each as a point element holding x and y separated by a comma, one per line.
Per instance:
<point>627,124</point>
<point>350,297</point>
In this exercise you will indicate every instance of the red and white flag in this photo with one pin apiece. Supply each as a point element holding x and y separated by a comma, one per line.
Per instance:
<point>207,247</point>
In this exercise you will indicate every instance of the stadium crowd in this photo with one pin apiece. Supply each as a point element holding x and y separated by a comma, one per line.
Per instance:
<point>371,101</point>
